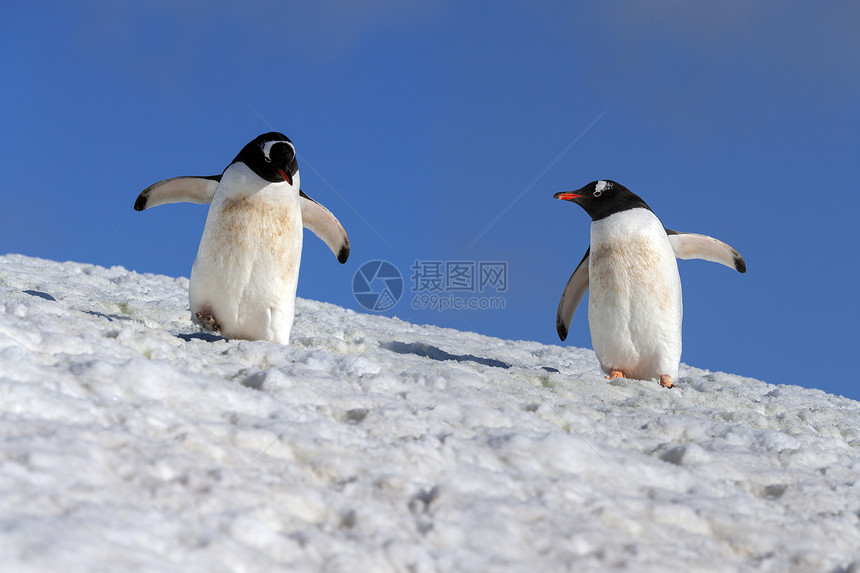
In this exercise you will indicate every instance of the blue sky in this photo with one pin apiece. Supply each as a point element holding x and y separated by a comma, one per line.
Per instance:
<point>440,131</point>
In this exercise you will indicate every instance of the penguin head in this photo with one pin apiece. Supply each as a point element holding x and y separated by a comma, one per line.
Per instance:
<point>272,156</point>
<point>603,198</point>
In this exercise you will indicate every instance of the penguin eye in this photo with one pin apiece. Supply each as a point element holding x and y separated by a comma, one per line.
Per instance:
<point>600,187</point>
<point>266,157</point>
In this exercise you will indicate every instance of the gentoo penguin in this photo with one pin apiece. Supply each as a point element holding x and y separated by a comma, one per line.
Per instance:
<point>243,281</point>
<point>634,309</point>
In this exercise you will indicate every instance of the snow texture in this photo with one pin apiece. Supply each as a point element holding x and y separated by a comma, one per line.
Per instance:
<point>132,442</point>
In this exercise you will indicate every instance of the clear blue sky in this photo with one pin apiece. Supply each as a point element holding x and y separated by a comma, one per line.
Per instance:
<point>735,119</point>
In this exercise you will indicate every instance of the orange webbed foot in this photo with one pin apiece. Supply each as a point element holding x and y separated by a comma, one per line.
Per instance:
<point>615,374</point>
<point>666,381</point>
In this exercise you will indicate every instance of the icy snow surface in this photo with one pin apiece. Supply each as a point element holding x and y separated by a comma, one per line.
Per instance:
<point>132,442</point>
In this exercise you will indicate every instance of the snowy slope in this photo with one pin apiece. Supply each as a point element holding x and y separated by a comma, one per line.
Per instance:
<point>131,442</point>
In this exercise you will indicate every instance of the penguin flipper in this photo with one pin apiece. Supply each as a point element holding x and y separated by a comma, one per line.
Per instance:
<point>575,289</point>
<point>325,226</point>
<point>177,190</point>
<point>693,246</point>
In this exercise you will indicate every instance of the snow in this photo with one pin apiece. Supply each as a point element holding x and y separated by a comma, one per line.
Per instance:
<point>132,442</point>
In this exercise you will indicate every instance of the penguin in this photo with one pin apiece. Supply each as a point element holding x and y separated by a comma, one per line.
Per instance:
<point>635,307</point>
<point>244,278</point>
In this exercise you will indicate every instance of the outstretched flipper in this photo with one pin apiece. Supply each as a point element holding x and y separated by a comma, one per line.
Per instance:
<point>325,226</point>
<point>693,246</point>
<point>178,190</point>
<point>575,289</point>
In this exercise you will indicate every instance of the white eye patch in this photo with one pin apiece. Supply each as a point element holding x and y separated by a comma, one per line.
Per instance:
<point>601,187</point>
<point>267,149</point>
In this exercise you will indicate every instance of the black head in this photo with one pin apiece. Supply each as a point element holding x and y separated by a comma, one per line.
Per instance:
<point>603,198</point>
<point>271,156</point>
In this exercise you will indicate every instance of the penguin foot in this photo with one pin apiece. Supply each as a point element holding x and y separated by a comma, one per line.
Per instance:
<point>615,374</point>
<point>666,381</point>
<point>208,322</point>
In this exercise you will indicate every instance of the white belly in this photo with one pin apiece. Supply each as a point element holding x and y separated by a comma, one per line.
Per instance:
<point>247,267</point>
<point>634,306</point>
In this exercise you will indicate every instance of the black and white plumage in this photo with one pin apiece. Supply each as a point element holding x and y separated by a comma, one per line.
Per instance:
<point>244,278</point>
<point>635,308</point>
